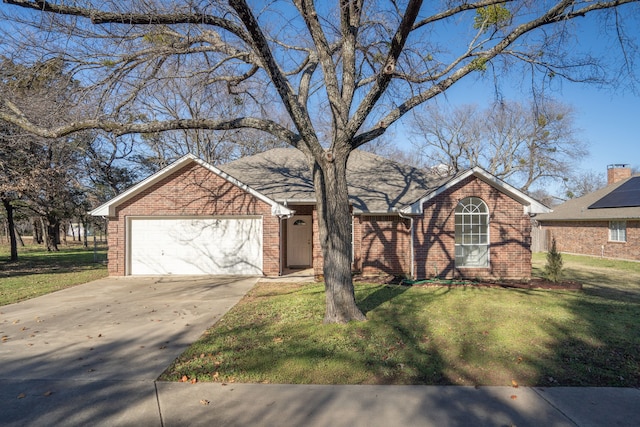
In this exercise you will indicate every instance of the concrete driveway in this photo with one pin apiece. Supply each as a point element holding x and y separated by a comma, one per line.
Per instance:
<point>92,340</point>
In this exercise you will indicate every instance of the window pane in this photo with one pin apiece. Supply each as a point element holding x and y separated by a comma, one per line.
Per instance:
<point>618,231</point>
<point>472,233</point>
<point>472,255</point>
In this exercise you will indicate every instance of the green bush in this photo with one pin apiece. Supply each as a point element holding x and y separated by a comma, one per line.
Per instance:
<point>553,269</point>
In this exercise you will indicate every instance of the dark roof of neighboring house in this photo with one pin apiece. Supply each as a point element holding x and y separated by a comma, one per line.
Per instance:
<point>376,184</point>
<point>626,195</point>
<point>613,202</point>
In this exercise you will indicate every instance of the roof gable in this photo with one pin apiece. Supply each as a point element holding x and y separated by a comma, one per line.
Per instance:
<point>109,208</point>
<point>530,205</point>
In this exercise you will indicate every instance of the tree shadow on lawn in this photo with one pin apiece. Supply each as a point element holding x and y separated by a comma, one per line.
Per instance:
<point>430,336</point>
<point>593,339</point>
<point>623,287</point>
<point>380,296</point>
<point>600,346</point>
<point>50,262</point>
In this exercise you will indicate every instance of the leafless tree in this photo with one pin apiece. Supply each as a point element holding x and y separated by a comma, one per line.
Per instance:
<point>186,98</point>
<point>524,144</point>
<point>362,64</point>
<point>11,181</point>
<point>584,182</point>
<point>39,173</point>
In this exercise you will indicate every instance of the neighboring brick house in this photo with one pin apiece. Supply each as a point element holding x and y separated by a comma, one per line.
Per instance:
<point>605,223</point>
<point>258,215</point>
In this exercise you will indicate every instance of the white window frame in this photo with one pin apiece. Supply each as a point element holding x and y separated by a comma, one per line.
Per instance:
<point>472,233</point>
<point>618,231</point>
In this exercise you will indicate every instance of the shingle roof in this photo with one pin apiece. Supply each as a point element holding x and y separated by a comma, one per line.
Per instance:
<point>578,209</point>
<point>375,184</point>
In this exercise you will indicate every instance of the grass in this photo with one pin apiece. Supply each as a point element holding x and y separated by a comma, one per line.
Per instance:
<point>38,272</point>
<point>433,335</point>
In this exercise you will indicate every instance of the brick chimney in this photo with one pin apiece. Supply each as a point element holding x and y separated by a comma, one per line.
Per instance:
<point>616,173</point>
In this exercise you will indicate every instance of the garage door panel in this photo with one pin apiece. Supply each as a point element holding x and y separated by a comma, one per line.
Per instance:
<point>196,246</point>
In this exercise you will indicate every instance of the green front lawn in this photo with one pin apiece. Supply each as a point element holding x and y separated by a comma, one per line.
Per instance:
<point>38,272</point>
<point>433,335</point>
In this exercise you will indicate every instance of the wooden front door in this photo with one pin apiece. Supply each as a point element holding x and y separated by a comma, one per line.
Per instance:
<point>299,241</point>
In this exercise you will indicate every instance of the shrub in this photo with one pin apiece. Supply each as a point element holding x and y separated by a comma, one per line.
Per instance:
<point>553,268</point>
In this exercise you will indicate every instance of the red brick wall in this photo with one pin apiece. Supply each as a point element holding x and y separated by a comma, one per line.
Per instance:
<point>616,174</point>
<point>384,245</point>
<point>509,235</point>
<point>592,238</point>
<point>381,243</point>
<point>193,190</point>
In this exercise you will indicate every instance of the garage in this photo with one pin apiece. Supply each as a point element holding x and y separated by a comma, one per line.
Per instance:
<point>195,245</point>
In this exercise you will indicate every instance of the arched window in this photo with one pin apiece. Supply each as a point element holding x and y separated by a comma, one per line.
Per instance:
<point>472,233</point>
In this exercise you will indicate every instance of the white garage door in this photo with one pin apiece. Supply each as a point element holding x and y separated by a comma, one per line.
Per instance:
<point>195,246</point>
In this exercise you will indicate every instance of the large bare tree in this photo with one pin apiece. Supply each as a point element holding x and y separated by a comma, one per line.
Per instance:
<point>526,145</point>
<point>363,65</point>
<point>38,173</point>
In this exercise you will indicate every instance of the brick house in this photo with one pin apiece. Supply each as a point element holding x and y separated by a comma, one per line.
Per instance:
<point>257,215</point>
<point>605,223</point>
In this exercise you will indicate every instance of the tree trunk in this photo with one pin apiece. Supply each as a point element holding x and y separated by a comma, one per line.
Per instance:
<point>334,221</point>
<point>64,228</point>
<point>19,238</point>
<point>37,233</point>
<point>51,229</point>
<point>85,232</point>
<point>11,229</point>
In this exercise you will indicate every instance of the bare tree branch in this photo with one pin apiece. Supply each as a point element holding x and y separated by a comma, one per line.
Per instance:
<point>119,128</point>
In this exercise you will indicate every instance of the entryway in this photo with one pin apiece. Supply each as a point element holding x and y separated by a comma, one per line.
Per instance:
<point>299,234</point>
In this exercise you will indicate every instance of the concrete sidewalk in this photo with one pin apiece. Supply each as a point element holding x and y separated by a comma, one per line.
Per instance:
<point>314,405</point>
<point>148,403</point>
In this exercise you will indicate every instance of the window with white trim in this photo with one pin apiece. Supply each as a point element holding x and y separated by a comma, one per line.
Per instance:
<point>472,233</point>
<point>618,231</point>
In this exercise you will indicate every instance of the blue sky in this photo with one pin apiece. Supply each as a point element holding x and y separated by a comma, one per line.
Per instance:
<point>608,122</point>
<point>607,119</point>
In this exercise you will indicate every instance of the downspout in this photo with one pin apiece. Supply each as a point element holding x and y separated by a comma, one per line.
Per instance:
<point>281,245</point>
<point>410,218</point>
